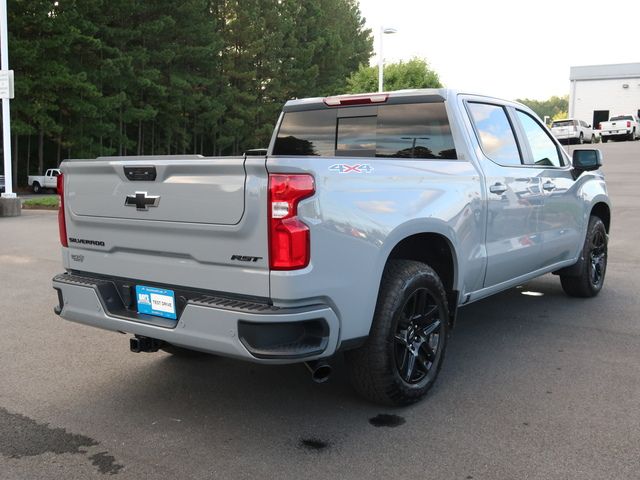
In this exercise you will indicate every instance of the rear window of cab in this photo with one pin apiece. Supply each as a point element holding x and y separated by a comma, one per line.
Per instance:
<point>564,123</point>
<point>418,130</point>
<point>621,117</point>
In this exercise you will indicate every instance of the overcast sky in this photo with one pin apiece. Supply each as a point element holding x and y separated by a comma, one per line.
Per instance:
<point>510,49</point>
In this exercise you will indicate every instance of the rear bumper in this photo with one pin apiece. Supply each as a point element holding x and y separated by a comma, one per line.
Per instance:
<point>614,133</point>
<point>233,328</point>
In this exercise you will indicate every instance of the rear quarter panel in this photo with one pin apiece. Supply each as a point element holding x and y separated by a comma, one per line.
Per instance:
<point>356,219</point>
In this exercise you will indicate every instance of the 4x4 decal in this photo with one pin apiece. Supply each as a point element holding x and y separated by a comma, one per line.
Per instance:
<point>357,168</point>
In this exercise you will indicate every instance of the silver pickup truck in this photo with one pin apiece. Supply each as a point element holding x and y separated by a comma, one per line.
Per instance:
<point>364,226</point>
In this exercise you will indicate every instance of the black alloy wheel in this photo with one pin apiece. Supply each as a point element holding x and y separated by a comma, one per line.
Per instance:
<point>592,265</point>
<point>598,258</point>
<point>418,332</point>
<point>405,349</point>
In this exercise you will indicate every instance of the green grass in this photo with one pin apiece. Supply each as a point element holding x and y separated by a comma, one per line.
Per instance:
<point>44,202</point>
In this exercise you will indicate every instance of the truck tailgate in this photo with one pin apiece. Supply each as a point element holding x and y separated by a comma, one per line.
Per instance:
<point>189,221</point>
<point>99,188</point>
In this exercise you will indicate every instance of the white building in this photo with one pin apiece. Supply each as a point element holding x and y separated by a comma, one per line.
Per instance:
<point>600,91</point>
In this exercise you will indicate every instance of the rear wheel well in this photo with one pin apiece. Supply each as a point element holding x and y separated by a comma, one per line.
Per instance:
<point>601,210</point>
<point>432,249</point>
<point>436,251</point>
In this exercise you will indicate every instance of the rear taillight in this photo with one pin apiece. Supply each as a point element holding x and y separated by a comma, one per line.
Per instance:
<point>289,242</point>
<point>62,224</point>
<point>628,124</point>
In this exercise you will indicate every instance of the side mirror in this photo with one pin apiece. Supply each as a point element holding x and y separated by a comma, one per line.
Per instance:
<point>587,160</point>
<point>588,126</point>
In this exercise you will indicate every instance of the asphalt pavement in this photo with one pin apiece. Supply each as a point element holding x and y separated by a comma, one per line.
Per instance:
<point>536,385</point>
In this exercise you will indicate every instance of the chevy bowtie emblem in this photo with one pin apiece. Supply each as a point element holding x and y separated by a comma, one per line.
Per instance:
<point>141,201</point>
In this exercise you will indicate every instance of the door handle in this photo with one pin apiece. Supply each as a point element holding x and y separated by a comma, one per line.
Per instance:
<point>498,188</point>
<point>548,186</point>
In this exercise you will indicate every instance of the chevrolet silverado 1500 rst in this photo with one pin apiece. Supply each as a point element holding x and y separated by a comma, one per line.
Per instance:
<point>361,229</point>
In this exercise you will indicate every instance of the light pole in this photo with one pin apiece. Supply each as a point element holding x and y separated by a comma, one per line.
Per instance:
<point>383,31</point>
<point>413,143</point>
<point>10,205</point>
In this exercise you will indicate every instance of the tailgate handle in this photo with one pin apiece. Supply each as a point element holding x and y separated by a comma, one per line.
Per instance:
<point>140,173</point>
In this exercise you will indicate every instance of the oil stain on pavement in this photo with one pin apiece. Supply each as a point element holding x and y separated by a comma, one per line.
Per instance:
<point>22,436</point>
<point>313,444</point>
<point>386,420</point>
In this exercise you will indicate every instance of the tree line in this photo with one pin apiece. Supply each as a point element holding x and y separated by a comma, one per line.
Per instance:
<point>136,77</point>
<point>414,73</point>
<point>554,107</point>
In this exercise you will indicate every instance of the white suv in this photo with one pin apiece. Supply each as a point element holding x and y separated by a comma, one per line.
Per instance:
<point>573,131</point>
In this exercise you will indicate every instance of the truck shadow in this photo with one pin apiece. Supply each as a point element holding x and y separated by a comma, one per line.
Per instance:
<point>494,347</point>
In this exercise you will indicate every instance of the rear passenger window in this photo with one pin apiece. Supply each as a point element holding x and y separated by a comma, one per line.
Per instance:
<point>544,150</point>
<point>495,133</point>
<point>394,131</point>
<point>356,136</point>
<point>414,131</point>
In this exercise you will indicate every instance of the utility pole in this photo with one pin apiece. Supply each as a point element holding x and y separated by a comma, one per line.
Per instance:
<point>383,32</point>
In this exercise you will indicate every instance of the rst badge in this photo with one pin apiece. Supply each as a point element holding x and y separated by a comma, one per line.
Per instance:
<point>357,168</point>
<point>142,201</point>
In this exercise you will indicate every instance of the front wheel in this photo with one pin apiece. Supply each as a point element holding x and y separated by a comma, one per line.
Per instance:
<point>402,356</point>
<point>36,187</point>
<point>594,263</point>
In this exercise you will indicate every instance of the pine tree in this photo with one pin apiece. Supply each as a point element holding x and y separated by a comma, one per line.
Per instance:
<point>122,77</point>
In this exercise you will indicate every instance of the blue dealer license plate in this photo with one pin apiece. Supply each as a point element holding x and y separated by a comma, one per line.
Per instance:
<point>156,301</point>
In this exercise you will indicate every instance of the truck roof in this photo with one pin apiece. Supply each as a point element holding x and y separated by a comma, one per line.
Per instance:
<point>392,97</point>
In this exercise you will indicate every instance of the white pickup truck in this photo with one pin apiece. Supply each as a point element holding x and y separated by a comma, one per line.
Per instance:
<point>620,126</point>
<point>48,180</point>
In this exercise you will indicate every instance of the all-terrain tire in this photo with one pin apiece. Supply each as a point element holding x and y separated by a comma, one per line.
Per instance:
<point>374,368</point>
<point>594,263</point>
